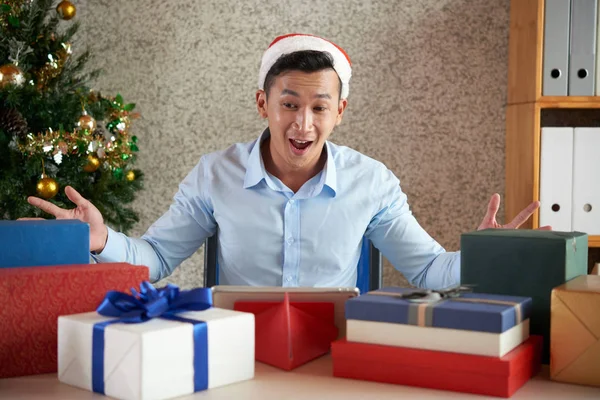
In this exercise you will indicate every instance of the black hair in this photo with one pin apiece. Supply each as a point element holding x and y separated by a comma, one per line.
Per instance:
<point>305,61</point>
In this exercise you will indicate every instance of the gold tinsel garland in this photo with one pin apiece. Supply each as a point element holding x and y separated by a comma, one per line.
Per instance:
<point>53,66</point>
<point>114,152</point>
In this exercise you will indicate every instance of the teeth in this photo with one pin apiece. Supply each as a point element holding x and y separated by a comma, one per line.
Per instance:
<point>300,141</point>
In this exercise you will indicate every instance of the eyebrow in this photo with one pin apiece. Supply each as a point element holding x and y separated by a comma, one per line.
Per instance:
<point>293,93</point>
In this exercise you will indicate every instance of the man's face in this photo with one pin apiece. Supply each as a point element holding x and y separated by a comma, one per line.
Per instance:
<point>302,110</point>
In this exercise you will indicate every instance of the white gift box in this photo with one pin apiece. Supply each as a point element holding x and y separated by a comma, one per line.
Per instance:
<point>489,344</point>
<point>153,360</point>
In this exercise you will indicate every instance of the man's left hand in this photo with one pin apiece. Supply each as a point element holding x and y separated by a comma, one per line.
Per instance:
<point>489,221</point>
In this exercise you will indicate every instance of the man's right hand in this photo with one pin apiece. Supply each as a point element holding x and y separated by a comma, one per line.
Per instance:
<point>85,211</point>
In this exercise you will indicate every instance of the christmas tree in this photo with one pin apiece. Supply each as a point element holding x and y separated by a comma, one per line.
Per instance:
<point>54,130</point>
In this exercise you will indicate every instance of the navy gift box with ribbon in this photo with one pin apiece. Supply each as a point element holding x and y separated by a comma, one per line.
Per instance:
<point>452,319</point>
<point>459,309</point>
<point>159,342</point>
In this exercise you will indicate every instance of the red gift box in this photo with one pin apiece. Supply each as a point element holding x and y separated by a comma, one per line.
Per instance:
<point>494,376</point>
<point>289,334</point>
<point>32,299</point>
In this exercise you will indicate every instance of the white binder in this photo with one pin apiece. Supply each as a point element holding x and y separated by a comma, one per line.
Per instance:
<point>597,83</point>
<point>586,181</point>
<point>556,176</point>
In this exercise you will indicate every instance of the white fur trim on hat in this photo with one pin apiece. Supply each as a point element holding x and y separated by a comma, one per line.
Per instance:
<point>297,42</point>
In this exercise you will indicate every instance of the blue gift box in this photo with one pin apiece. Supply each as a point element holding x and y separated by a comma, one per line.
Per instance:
<point>44,243</point>
<point>468,311</point>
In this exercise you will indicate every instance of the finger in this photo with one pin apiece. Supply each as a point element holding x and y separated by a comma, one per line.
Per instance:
<point>30,219</point>
<point>48,207</point>
<point>545,228</point>
<point>523,215</point>
<point>493,207</point>
<point>75,197</point>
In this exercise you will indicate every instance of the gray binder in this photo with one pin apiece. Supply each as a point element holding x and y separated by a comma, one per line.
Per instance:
<point>582,62</point>
<point>557,17</point>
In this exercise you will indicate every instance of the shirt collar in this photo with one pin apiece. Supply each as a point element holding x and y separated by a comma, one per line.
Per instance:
<point>256,172</point>
<point>330,170</point>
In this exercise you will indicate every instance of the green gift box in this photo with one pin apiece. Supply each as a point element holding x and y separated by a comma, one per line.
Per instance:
<point>526,263</point>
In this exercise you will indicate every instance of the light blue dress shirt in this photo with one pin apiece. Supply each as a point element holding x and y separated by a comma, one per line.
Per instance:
<point>271,236</point>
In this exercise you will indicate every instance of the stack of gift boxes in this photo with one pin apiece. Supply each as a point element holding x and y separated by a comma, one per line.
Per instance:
<point>552,268</point>
<point>527,301</point>
<point>468,342</point>
<point>62,314</point>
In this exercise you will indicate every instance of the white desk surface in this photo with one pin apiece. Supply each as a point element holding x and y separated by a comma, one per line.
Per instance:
<point>312,381</point>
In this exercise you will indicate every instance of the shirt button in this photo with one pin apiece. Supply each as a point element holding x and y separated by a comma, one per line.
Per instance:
<point>288,279</point>
<point>290,240</point>
<point>292,201</point>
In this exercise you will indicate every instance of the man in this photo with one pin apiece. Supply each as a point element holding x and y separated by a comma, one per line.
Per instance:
<point>291,207</point>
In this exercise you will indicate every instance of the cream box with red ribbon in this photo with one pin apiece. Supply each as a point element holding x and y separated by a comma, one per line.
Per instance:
<point>452,320</point>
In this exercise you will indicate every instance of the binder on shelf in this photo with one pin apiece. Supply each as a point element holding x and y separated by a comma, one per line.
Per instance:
<point>597,88</point>
<point>556,178</point>
<point>557,16</point>
<point>586,185</point>
<point>582,58</point>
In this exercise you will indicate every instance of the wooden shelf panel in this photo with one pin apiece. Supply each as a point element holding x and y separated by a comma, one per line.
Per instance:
<point>594,241</point>
<point>569,102</point>
<point>522,160</point>
<point>525,48</point>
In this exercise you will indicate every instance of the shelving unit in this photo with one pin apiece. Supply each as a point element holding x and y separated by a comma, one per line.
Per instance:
<point>525,105</point>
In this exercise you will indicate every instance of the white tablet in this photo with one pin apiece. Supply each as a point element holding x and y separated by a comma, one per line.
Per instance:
<point>226,296</point>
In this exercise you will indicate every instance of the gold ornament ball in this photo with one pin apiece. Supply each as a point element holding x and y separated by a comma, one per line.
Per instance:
<point>87,122</point>
<point>47,188</point>
<point>66,10</point>
<point>130,176</point>
<point>10,74</point>
<point>93,164</point>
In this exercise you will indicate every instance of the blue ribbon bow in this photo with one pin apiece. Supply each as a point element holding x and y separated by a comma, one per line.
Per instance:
<point>151,303</point>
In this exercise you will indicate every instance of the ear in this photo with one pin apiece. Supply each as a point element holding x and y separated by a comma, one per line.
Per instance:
<point>261,103</point>
<point>341,108</point>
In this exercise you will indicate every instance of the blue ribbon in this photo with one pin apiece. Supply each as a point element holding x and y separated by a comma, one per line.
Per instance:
<point>151,303</point>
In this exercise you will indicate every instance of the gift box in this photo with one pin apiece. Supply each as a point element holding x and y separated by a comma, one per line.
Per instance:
<point>290,334</point>
<point>32,300</point>
<point>526,263</point>
<point>159,344</point>
<point>575,331</point>
<point>494,376</point>
<point>453,320</point>
<point>44,242</point>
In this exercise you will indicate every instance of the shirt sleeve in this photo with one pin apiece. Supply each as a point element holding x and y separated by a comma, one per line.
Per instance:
<point>175,236</point>
<point>411,250</point>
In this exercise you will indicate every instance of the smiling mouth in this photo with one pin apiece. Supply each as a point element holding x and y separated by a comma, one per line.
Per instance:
<point>300,146</point>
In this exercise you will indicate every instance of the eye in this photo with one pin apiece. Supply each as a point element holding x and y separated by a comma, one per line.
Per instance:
<point>320,109</point>
<point>289,106</point>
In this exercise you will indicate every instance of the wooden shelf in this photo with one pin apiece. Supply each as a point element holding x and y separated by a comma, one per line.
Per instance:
<point>527,110</point>
<point>569,102</point>
<point>594,241</point>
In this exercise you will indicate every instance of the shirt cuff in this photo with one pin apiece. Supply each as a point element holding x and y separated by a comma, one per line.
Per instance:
<point>112,252</point>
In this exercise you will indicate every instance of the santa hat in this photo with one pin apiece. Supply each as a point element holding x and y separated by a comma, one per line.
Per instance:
<point>297,42</point>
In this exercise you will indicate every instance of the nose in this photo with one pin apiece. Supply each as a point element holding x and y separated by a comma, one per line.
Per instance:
<point>304,120</point>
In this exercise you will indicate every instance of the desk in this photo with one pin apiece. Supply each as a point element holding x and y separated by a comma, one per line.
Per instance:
<point>313,381</point>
